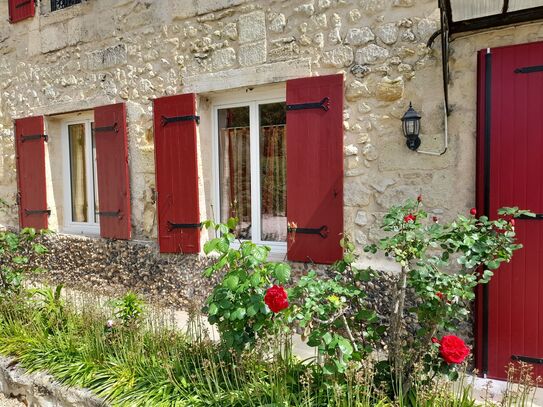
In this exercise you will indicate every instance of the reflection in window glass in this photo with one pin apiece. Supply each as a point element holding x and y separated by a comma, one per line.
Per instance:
<point>273,167</point>
<point>235,167</point>
<point>78,179</point>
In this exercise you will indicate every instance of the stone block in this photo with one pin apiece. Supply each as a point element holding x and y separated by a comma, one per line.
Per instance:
<point>388,33</point>
<point>339,57</point>
<point>371,54</point>
<point>223,58</point>
<point>252,54</point>
<point>53,37</point>
<point>359,36</point>
<point>390,90</point>
<point>278,23</point>
<point>357,90</point>
<point>107,57</point>
<point>252,27</point>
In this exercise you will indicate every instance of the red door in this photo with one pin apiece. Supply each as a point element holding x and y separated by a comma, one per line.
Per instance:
<point>510,173</point>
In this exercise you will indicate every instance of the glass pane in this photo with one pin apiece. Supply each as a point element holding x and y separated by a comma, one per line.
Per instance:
<point>235,167</point>
<point>515,5</point>
<point>78,179</point>
<point>94,175</point>
<point>468,9</point>
<point>273,171</point>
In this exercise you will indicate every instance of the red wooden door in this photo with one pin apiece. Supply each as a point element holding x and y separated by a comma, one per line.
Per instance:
<point>510,173</point>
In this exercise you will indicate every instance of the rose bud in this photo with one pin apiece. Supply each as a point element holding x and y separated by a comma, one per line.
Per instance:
<point>473,211</point>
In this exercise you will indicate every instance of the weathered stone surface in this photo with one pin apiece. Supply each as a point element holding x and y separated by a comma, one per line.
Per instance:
<point>223,58</point>
<point>369,152</point>
<point>308,9</point>
<point>341,56</point>
<point>356,90</point>
<point>284,49</point>
<point>426,27</point>
<point>359,36</point>
<point>107,57</point>
<point>388,33</point>
<point>381,184</point>
<point>390,89</point>
<point>359,71</point>
<point>278,23</point>
<point>231,31</point>
<point>252,54</point>
<point>371,7</point>
<point>361,218</point>
<point>351,149</point>
<point>252,27</point>
<point>371,54</point>
<point>403,3</point>
<point>356,193</point>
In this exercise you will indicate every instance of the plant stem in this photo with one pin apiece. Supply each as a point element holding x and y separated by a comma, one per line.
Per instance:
<point>396,323</point>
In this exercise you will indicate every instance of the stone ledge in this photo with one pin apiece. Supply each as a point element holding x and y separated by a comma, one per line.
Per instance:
<point>40,390</point>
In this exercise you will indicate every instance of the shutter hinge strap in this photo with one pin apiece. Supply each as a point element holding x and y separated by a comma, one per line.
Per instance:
<point>111,214</point>
<point>22,4</point>
<point>529,69</point>
<point>324,104</point>
<point>172,225</point>
<point>105,129</point>
<point>18,198</point>
<point>165,120</point>
<point>538,216</point>
<point>34,137</point>
<point>37,211</point>
<point>527,359</point>
<point>322,231</point>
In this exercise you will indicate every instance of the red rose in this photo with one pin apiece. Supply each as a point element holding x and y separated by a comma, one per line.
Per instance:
<point>453,349</point>
<point>409,218</point>
<point>473,211</point>
<point>440,295</point>
<point>276,298</point>
<point>435,340</point>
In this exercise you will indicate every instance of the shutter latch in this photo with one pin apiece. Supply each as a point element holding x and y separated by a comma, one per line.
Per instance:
<point>37,211</point>
<point>107,129</point>
<point>324,104</point>
<point>23,3</point>
<point>165,120</point>
<point>527,359</point>
<point>111,214</point>
<point>34,137</point>
<point>172,226</point>
<point>529,69</point>
<point>322,231</point>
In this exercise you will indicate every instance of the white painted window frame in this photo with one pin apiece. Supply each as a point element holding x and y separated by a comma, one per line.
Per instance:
<point>251,98</point>
<point>90,228</point>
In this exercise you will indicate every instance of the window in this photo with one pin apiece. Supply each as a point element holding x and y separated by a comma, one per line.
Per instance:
<point>250,176</point>
<point>60,4</point>
<point>80,177</point>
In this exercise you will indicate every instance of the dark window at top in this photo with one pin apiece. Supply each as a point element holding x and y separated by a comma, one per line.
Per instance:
<point>58,4</point>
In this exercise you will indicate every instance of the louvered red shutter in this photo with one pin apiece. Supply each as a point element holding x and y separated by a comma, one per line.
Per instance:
<point>112,169</point>
<point>176,159</point>
<point>315,168</point>
<point>20,10</point>
<point>32,196</point>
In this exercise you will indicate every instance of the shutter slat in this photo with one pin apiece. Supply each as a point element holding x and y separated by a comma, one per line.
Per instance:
<point>315,168</point>
<point>20,10</point>
<point>178,210</point>
<point>112,168</point>
<point>32,194</point>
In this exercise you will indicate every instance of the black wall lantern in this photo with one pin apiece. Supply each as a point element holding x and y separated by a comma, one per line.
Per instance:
<point>411,128</point>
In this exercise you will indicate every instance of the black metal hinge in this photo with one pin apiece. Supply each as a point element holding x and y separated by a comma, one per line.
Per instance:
<point>38,211</point>
<point>322,231</point>
<point>22,4</point>
<point>529,69</point>
<point>324,104</point>
<point>112,214</point>
<point>165,120</point>
<point>34,137</point>
<point>114,128</point>
<point>538,216</point>
<point>527,359</point>
<point>172,225</point>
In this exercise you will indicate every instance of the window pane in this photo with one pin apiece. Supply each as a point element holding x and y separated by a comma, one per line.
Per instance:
<point>235,167</point>
<point>94,175</point>
<point>78,179</point>
<point>273,169</point>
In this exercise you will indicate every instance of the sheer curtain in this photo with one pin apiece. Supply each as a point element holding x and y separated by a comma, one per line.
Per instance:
<point>78,176</point>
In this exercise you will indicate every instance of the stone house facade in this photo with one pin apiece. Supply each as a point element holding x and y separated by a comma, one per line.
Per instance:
<point>241,61</point>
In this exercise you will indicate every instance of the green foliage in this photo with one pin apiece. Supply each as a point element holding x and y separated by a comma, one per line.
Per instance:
<point>331,313</point>
<point>14,252</point>
<point>129,309</point>
<point>236,304</point>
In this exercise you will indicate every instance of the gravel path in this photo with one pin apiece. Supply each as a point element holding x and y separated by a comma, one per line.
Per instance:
<point>7,402</point>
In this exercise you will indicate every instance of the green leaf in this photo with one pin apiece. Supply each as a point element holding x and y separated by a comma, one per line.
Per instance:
<point>231,282</point>
<point>213,309</point>
<point>282,273</point>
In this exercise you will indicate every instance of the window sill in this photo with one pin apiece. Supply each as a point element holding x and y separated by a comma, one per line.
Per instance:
<point>278,250</point>
<point>84,231</point>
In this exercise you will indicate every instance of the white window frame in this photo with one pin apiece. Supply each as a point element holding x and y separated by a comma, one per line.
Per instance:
<point>91,228</point>
<point>251,98</point>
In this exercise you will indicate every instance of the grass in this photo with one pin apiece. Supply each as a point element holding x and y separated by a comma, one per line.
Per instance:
<point>150,363</point>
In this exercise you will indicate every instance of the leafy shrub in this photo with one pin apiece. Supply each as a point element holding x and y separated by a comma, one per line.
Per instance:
<point>128,309</point>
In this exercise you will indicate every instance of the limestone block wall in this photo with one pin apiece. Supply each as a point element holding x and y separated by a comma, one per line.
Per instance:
<point>106,51</point>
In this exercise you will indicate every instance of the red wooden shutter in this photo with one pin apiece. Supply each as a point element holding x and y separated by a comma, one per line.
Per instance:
<point>32,197</point>
<point>112,168</point>
<point>315,168</point>
<point>177,174</point>
<point>20,9</point>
